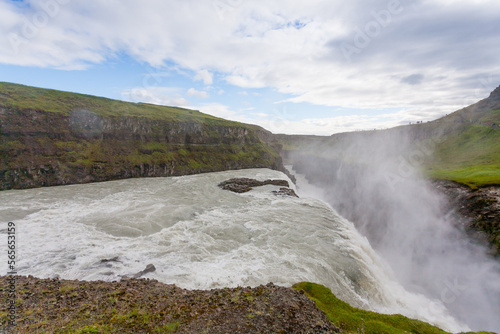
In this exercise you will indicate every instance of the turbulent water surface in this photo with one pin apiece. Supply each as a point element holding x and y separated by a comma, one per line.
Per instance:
<point>200,236</point>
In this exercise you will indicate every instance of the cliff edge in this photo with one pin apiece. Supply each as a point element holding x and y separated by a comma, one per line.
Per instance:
<point>50,138</point>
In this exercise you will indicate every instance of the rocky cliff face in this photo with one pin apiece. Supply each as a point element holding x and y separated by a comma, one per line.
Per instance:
<point>495,94</point>
<point>478,211</point>
<point>44,148</point>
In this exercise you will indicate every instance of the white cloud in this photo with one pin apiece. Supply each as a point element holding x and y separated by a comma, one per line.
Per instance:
<point>261,114</point>
<point>204,76</point>
<point>282,123</point>
<point>197,93</point>
<point>156,95</point>
<point>217,110</point>
<point>431,54</point>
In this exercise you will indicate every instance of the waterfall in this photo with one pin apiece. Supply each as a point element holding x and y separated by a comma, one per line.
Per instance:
<point>199,236</point>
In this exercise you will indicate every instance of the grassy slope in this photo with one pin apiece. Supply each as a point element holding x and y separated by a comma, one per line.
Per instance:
<point>470,155</point>
<point>469,149</point>
<point>354,320</point>
<point>20,97</point>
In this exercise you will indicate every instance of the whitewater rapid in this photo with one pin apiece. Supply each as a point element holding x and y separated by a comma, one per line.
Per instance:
<point>199,236</point>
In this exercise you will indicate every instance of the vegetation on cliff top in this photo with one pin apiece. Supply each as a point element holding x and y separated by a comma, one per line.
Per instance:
<point>470,155</point>
<point>353,320</point>
<point>51,137</point>
<point>21,97</point>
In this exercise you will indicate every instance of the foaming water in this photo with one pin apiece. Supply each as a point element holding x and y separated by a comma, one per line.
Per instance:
<point>199,236</point>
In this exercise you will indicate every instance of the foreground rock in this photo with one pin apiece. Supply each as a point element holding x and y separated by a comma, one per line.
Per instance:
<point>148,306</point>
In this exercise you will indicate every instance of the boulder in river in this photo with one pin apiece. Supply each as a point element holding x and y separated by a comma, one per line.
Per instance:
<point>242,185</point>
<point>149,269</point>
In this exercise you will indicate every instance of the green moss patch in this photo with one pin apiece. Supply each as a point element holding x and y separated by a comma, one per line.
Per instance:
<point>353,320</point>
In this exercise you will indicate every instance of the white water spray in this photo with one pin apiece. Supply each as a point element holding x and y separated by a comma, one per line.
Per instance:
<point>373,179</point>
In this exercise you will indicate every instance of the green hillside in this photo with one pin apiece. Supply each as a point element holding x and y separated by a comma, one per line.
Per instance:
<point>470,156</point>
<point>470,152</point>
<point>50,137</point>
<point>20,97</point>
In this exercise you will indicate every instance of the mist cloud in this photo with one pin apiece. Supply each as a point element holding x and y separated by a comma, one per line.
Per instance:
<point>374,179</point>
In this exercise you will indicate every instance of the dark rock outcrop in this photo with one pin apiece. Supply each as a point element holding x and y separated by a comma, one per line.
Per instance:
<point>113,259</point>
<point>149,269</point>
<point>285,192</point>
<point>478,211</point>
<point>241,185</point>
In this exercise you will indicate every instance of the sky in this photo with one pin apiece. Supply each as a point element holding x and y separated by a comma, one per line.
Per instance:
<point>298,67</point>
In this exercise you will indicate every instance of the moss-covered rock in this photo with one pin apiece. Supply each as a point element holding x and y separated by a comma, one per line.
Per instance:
<point>353,320</point>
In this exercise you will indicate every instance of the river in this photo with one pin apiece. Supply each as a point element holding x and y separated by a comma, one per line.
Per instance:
<point>199,236</point>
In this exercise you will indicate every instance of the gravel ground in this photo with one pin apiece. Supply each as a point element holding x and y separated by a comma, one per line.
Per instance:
<point>148,306</point>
